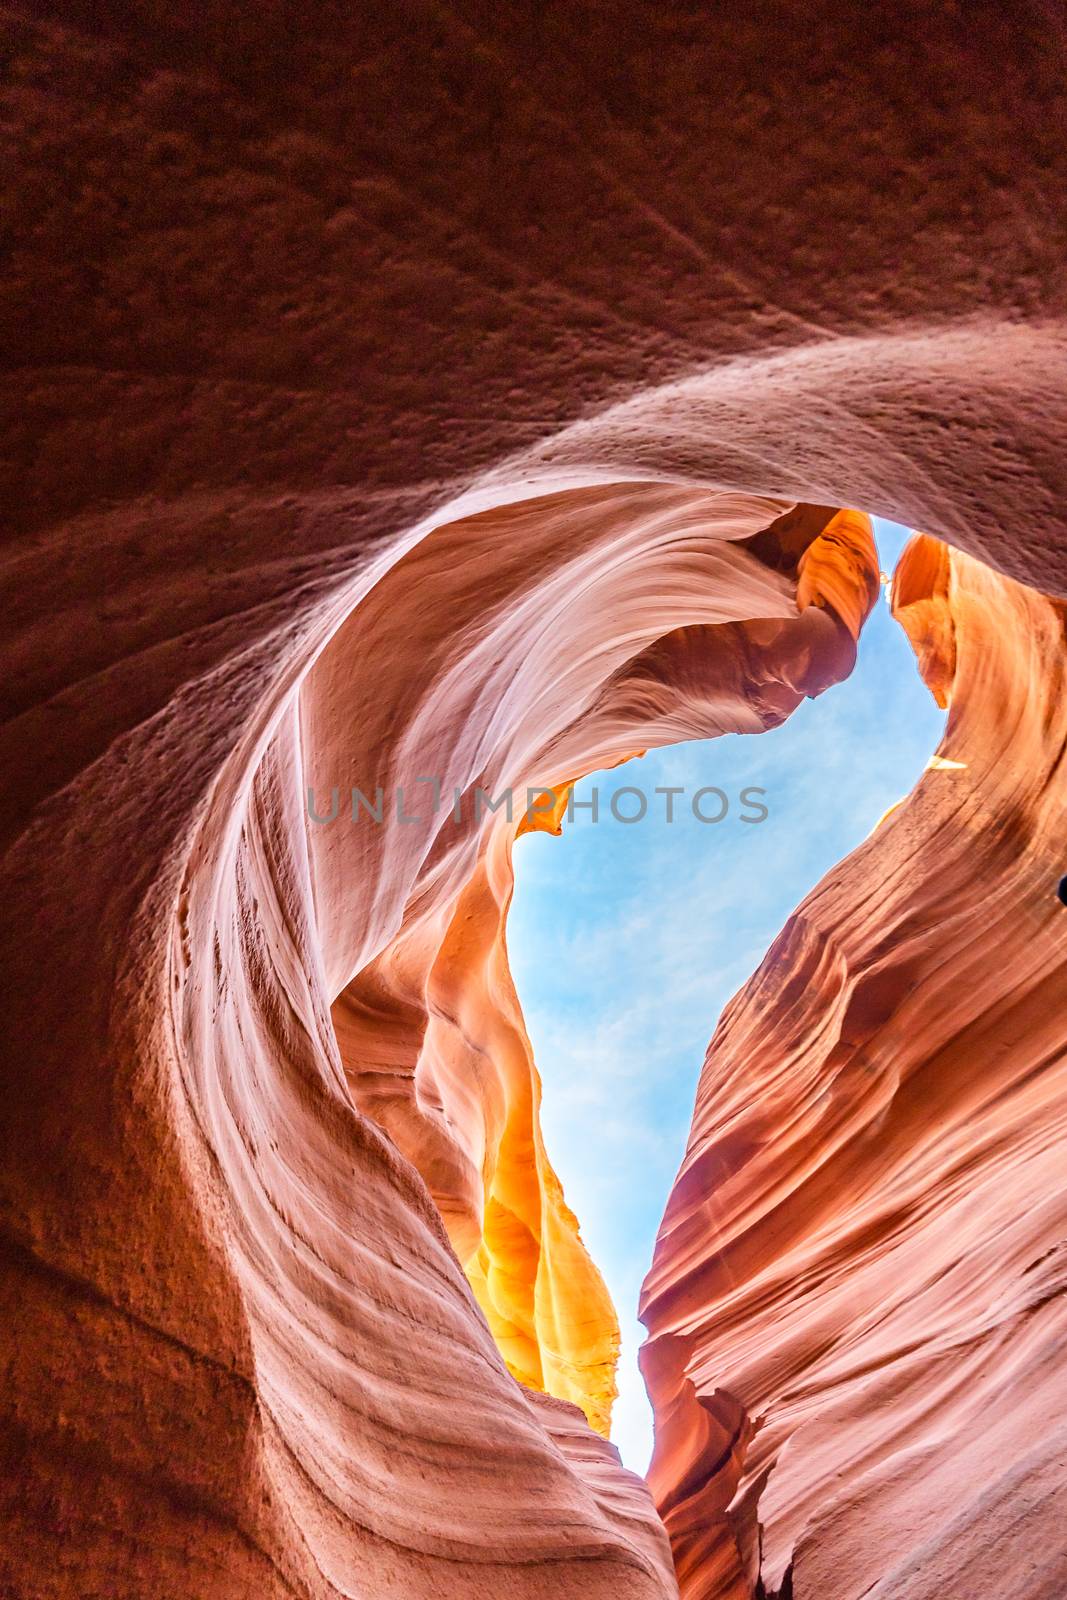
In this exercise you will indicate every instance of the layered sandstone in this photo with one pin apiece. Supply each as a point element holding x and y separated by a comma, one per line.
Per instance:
<point>290,292</point>
<point>686,632</point>
<point>364,1431</point>
<point>857,1307</point>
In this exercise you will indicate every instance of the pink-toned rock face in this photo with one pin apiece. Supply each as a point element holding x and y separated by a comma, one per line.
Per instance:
<point>457,668</point>
<point>856,1308</point>
<point>421,386</point>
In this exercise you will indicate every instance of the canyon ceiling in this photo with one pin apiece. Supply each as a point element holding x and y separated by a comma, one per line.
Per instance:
<point>494,393</point>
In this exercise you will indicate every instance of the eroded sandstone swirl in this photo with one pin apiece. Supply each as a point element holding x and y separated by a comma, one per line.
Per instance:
<point>685,633</point>
<point>337,1351</point>
<point>441,391</point>
<point>858,1304</point>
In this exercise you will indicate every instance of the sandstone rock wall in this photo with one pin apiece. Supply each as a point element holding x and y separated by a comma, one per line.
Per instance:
<point>857,1306</point>
<point>286,290</point>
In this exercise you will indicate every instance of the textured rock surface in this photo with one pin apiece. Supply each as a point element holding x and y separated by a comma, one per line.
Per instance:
<point>683,633</point>
<point>287,288</point>
<point>254,1360</point>
<point>858,1304</point>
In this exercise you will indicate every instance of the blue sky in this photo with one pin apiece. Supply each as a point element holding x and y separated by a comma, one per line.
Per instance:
<point>653,928</point>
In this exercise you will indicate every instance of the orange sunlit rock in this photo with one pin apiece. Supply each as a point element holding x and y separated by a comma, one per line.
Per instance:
<point>840,569</point>
<point>545,810</point>
<point>922,604</point>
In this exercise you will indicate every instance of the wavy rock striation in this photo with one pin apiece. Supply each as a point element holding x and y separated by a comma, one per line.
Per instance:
<point>414,389</point>
<point>282,1373</point>
<point>857,1306</point>
<point>679,640</point>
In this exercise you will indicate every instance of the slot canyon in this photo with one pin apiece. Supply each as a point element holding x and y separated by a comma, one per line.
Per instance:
<point>429,404</point>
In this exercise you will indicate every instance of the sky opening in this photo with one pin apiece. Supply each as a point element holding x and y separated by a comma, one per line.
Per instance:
<point>653,928</point>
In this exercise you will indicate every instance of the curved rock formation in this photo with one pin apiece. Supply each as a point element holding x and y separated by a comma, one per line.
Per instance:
<point>684,633</point>
<point>293,295</point>
<point>334,1348</point>
<point>857,1307</point>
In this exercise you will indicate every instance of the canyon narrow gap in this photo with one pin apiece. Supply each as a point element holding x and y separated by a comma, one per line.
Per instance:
<point>626,940</point>
<point>411,408</point>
